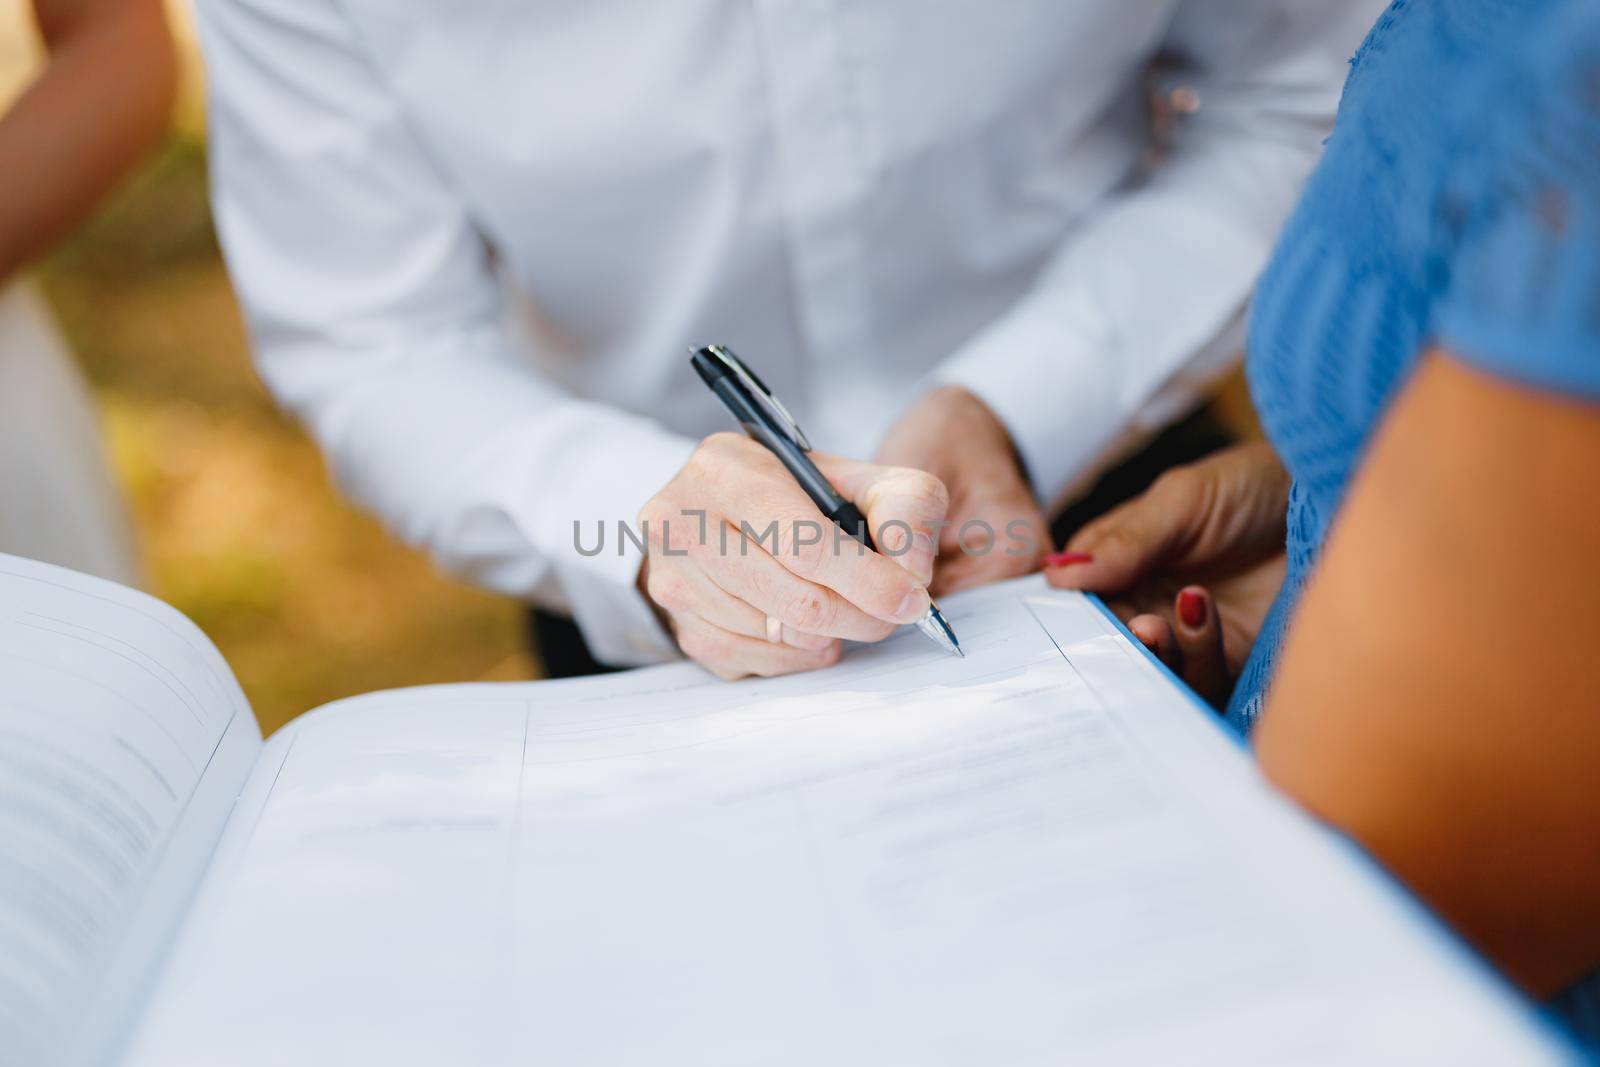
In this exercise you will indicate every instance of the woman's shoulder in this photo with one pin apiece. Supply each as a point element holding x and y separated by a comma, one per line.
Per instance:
<point>1522,208</point>
<point>1549,70</point>
<point>1529,120</point>
<point>1439,64</point>
<point>1414,112</point>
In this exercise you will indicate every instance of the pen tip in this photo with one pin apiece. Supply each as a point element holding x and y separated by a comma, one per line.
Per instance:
<point>935,626</point>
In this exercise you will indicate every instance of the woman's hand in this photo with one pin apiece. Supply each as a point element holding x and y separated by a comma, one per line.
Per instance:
<point>1192,565</point>
<point>995,528</point>
<point>751,578</point>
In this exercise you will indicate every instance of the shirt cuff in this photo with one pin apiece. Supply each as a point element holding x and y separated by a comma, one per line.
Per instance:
<point>1050,379</point>
<point>576,503</point>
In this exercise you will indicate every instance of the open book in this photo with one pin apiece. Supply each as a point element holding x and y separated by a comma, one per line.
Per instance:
<point>1046,852</point>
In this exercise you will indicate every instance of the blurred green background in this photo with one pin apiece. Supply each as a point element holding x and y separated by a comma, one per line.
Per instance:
<point>238,525</point>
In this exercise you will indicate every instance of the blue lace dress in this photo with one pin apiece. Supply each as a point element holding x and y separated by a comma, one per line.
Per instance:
<point>1458,202</point>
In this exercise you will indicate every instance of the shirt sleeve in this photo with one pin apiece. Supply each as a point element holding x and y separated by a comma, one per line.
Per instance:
<point>1523,299</point>
<point>1141,308</point>
<point>376,317</point>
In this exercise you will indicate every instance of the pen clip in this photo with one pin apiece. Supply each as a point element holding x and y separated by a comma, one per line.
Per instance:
<point>760,393</point>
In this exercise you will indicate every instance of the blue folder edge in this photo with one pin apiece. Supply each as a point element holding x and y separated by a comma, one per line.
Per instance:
<point>1545,1018</point>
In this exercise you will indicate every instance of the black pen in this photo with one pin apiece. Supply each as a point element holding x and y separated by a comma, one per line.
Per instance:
<point>765,419</point>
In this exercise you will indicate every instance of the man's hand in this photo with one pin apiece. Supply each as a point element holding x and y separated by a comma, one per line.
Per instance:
<point>752,579</point>
<point>1192,565</point>
<point>996,528</point>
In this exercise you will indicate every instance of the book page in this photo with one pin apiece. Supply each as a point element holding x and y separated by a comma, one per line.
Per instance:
<point>1041,853</point>
<point>124,740</point>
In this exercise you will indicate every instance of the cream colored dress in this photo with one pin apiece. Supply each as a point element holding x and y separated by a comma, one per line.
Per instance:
<point>58,501</point>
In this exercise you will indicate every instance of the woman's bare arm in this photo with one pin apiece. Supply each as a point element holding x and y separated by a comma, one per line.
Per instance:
<point>100,104</point>
<point>1439,698</point>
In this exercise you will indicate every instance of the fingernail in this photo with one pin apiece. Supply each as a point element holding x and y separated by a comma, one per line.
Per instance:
<point>913,607</point>
<point>1067,559</point>
<point>1192,608</point>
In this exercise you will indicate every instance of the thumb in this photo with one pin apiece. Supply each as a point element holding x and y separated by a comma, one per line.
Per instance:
<point>1114,552</point>
<point>904,508</point>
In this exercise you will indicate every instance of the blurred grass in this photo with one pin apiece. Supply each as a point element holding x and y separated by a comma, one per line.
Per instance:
<point>238,525</point>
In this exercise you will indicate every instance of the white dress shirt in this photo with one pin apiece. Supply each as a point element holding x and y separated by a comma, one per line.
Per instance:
<point>475,241</point>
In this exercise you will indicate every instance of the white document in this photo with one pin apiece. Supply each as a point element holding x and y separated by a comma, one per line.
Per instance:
<point>123,742</point>
<point>1042,853</point>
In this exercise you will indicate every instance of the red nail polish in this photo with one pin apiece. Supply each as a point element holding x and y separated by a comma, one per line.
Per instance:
<point>1192,608</point>
<point>1067,559</point>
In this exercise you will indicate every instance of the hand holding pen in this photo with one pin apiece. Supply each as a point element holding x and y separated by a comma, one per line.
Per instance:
<point>767,422</point>
<point>755,579</point>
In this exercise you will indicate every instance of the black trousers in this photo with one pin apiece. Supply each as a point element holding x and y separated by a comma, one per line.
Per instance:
<point>561,648</point>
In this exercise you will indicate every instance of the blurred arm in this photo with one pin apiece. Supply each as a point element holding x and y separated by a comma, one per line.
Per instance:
<point>376,317</point>
<point>1132,317</point>
<point>100,104</point>
<point>1439,697</point>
